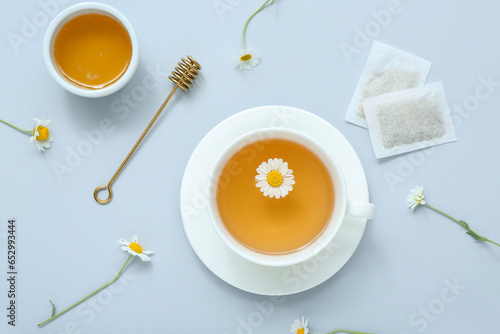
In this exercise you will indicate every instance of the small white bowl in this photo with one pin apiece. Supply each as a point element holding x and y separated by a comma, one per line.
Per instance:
<point>342,205</point>
<point>80,9</point>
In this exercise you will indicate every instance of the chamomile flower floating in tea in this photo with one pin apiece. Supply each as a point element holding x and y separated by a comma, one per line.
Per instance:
<point>274,178</point>
<point>416,198</point>
<point>299,326</point>
<point>133,248</point>
<point>40,135</point>
<point>247,58</point>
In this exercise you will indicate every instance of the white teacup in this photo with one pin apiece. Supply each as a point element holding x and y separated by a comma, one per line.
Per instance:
<point>342,206</point>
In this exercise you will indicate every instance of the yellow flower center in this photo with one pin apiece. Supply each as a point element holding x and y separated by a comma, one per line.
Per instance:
<point>135,247</point>
<point>43,133</point>
<point>246,57</point>
<point>274,178</point>
<point>300,331</point>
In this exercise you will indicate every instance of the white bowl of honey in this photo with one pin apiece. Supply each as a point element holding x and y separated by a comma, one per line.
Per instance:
<point>288,230</point>
<point>91,49</point>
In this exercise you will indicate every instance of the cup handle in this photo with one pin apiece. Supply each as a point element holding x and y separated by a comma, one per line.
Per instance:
<point>360,209</point>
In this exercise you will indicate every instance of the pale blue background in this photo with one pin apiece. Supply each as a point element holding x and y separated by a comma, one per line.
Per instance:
<point>397,281</point>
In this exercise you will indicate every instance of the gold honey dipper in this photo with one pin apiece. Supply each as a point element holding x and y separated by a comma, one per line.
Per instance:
<point>183,76</point>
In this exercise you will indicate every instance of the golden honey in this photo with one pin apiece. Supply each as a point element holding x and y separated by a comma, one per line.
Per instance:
<point>92,50</point>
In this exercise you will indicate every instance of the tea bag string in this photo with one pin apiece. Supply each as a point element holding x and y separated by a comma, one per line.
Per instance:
<point>183,76</point>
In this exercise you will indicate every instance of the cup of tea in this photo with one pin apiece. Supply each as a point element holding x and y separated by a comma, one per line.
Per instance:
<point>91,49</point>
<point>286,230</point>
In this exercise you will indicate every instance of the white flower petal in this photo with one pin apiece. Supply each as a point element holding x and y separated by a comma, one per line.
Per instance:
<point>262,171</point>
<point>283,169</point>
<point>265,187</point>
<point>123,242</point>
<point>276,163</point>
<point>132,252</point>
<point>38,146</point>
<point>260,177</point>
<point>283,191</point>
<point>262,183</point>
<point>144,257</point>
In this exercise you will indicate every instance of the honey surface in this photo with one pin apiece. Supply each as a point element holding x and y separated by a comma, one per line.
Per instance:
<point>92,50</point>
<point>271,225</point>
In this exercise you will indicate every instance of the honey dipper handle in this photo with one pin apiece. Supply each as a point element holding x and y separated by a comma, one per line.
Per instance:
<point>103,201</point>
<point>99,188</point>
<point>183,76</point>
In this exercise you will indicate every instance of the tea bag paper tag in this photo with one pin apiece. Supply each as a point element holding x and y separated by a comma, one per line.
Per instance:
<point>387,69</point>
<point>408,120</point>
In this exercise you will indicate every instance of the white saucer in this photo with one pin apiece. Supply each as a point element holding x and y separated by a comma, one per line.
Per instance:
<point>213,252</point>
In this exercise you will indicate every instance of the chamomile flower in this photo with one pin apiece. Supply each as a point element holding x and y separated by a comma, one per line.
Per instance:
<point>39,135</point>
<point>274,178</point>
<point>416,197</point>
<point>299,326</point>
<point>247,59</point>
<point>135,249</point>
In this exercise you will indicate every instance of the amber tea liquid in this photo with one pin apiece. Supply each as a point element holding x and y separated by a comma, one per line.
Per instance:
<point>271,225</point>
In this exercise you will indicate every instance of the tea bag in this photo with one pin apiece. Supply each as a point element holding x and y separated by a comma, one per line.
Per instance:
<point>387,70</point>
<point>408,120</point>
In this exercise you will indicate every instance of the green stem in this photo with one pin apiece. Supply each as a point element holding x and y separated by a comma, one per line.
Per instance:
<point>463,224</point>
<point>84,299</point>
<point>446,215</point>
<point>15,127</point>
<point>491,241</point>
<point>53,308</point>
<point>246,23</point>
<point>347,331</point>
